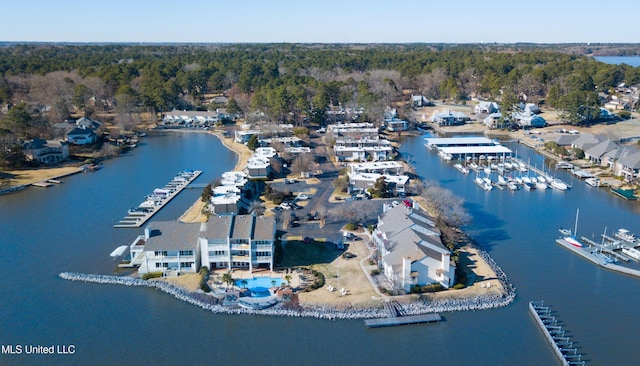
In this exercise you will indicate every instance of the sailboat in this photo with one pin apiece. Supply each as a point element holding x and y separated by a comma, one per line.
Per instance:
<point>570,237</point>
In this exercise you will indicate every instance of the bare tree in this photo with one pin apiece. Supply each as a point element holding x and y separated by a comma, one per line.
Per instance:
<point>357,212</point>
<point>429,84</point>
<point>302,163</point>
<point>446,205</point>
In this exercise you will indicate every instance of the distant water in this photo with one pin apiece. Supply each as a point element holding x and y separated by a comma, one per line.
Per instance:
<point>68,228</point>
<point>618,60</point>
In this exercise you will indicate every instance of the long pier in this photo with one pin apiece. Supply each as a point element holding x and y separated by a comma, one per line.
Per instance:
<point>555,335</point>
<point>402,320</point>
<point>138,218</point>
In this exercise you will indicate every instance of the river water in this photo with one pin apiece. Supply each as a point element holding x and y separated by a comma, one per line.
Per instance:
<point>68,228</point>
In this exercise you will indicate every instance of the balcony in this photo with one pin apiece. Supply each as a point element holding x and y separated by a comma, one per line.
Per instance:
<point>240,247</point>
<point>264,248</point>
<point>240,258</point>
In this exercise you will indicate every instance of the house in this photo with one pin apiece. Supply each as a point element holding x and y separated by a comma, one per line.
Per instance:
<point>238,241</point>
<point>45,151</point>
<point>485,107</point>
<point>494,120</point>
<point>380,167</point>
<point>411,252</point>
<point>168,246</point>
<point>396,124</point>
<point>361,149</point>
<point>585,141</point>
<point>597,152</point>
<point>418,101</point>
<point>448,118</point>
<point>531,109</point>
<point>190,118</point>
<point>88,123</point>
<point>628,164</point>
<point>81,136</point>
<point>527,119</point>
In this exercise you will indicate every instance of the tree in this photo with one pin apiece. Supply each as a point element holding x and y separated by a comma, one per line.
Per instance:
<point>380,188</point>
<point>341,184</point>
<point>206,193</point>
<point>18,120</point>
<point>252,144</point>
<point>302,163</point>
<point>444,204</point>
<point>228,279</point>
<point>233,107</point>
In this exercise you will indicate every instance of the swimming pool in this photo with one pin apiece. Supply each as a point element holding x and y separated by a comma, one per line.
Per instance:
<point>259,286</point>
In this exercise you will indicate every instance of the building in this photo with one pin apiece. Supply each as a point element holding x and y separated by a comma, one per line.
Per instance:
<point>167,246</point>
<point>418,101</point>
<point>259,164</point>
<point>363,181</point>
<point>448,118</point>
<point>88,123</point>
<point>374,148</point>
<point>229,196</point>
<point>45,151</point>
<point>411,252</point>
<point>190,118</point>
<point>380,167</point>
<point>485,107</point>
<point>81,136</point>
<point>238,241</point>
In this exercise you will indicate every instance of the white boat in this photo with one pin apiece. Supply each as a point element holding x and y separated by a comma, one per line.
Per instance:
<point>445,156</point>
<point>502,180</point>
<point>571,238</point>
<point>626,235</point>
<point>487,180</point>
<point>518,180</point>
<point>528,186</point>
<point>119,251</point>
<point>558,184</point>
<point>508,166</point>
<point>461,168</point>
<point>593,182</point>
<point>473,166</point>
<point>512,186</point>
<point>542,179</point>
<point>632,253</point>
<point>482,184</point>
<point>564,165</point>
<point>526,180</point>
<point>541,185</point>
<point>487,170</point>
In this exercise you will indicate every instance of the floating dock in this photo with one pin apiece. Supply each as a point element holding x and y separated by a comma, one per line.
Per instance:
<point>588,254</point>
<point>561,344</point>
<point>173,188</point>
<point>402,320</point>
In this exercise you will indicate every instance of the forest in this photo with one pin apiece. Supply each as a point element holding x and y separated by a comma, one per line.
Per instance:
<point>43,84</point>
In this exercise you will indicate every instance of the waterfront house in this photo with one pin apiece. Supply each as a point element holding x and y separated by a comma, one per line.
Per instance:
<point>597,152</point>
<point>45,151</point>
<point>190,118</point>
<point>411,252</point>
<point>448,118</point>
<point>170,247</point>
<point>364,181</point>
<point>238,241</point>
<point>528,119</point>
<point>374,148</point>
<point>628,164</point>
<point>81,136</point>
<point>418,101</point>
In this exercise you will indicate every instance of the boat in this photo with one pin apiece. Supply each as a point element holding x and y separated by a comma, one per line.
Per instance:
<point>461,168</point>
<point>473,166</point>
<point>482,184</point>
<point>508,166</point>
<point>487,170</point>
<point>526,180</point>
<point>558,184</point>
<point>119,251</point>
<point>542,179</point>
<point>565,231</point>
<point>564,165</point>
<point>487,180</point>
<point>626,235</point>
<point>502,180</point>
<point>528,186</point>
<point>605,258</point>
<point>571,238</point>
<point>631,253</point>
<point>593,182</point>
<point>512,186</point>
<point>541,185</point>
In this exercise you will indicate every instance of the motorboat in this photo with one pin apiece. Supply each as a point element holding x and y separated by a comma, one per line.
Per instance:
<point>593,182</point>
<point>558,184</point>
<point>541,185</point>
<point>626,235</point>
<point>512,186</point>
<point>502,180</point>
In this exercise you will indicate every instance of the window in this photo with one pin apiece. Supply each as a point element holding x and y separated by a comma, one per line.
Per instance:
<point>158,253</point>
<point>186,264</point>
<point>186,252</point>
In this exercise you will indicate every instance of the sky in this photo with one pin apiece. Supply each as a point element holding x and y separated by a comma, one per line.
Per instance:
<point>325,21</point>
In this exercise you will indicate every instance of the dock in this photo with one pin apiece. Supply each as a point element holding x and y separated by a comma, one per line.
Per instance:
<point>555,335</point>
<point>138,218</point>
<point>587,253</point>
<point>402,320</point>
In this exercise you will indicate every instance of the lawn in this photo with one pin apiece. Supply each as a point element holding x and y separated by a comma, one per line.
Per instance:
<point>298,253</point>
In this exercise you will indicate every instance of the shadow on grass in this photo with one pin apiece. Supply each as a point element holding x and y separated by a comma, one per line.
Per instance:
<point>299,253</point>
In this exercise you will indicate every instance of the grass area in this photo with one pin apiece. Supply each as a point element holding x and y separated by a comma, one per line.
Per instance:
<point>298,253</point>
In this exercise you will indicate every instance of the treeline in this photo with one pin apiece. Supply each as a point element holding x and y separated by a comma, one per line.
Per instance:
<point>288,82</point>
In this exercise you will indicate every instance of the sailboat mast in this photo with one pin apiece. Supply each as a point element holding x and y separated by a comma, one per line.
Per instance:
<point>575,230</point>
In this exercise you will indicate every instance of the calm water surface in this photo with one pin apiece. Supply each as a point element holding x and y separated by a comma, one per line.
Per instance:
<point>68,228</point>
<point>617,60</point>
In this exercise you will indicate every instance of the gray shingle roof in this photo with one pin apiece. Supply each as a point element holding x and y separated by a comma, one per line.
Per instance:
<point>172,235</point>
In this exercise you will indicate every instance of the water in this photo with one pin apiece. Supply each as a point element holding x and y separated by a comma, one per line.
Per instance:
<point>68,228</point>
<point>617,60</point>
<point>259,286</point>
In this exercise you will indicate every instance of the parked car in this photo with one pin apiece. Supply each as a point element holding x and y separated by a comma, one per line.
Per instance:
<point>285,206</point>
<point>290,181</point>
<point>302,197</point>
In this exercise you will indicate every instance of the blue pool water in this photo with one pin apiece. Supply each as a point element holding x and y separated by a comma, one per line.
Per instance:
<point>259,286</point>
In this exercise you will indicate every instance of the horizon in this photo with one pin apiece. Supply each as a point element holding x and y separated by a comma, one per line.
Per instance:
<point>331,22</point>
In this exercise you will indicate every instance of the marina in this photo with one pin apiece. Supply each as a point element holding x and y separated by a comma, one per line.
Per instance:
<point>557,337</point>
<point>154,202</point>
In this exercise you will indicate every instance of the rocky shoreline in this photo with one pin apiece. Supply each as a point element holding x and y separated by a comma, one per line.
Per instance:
<point>209,303</point>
